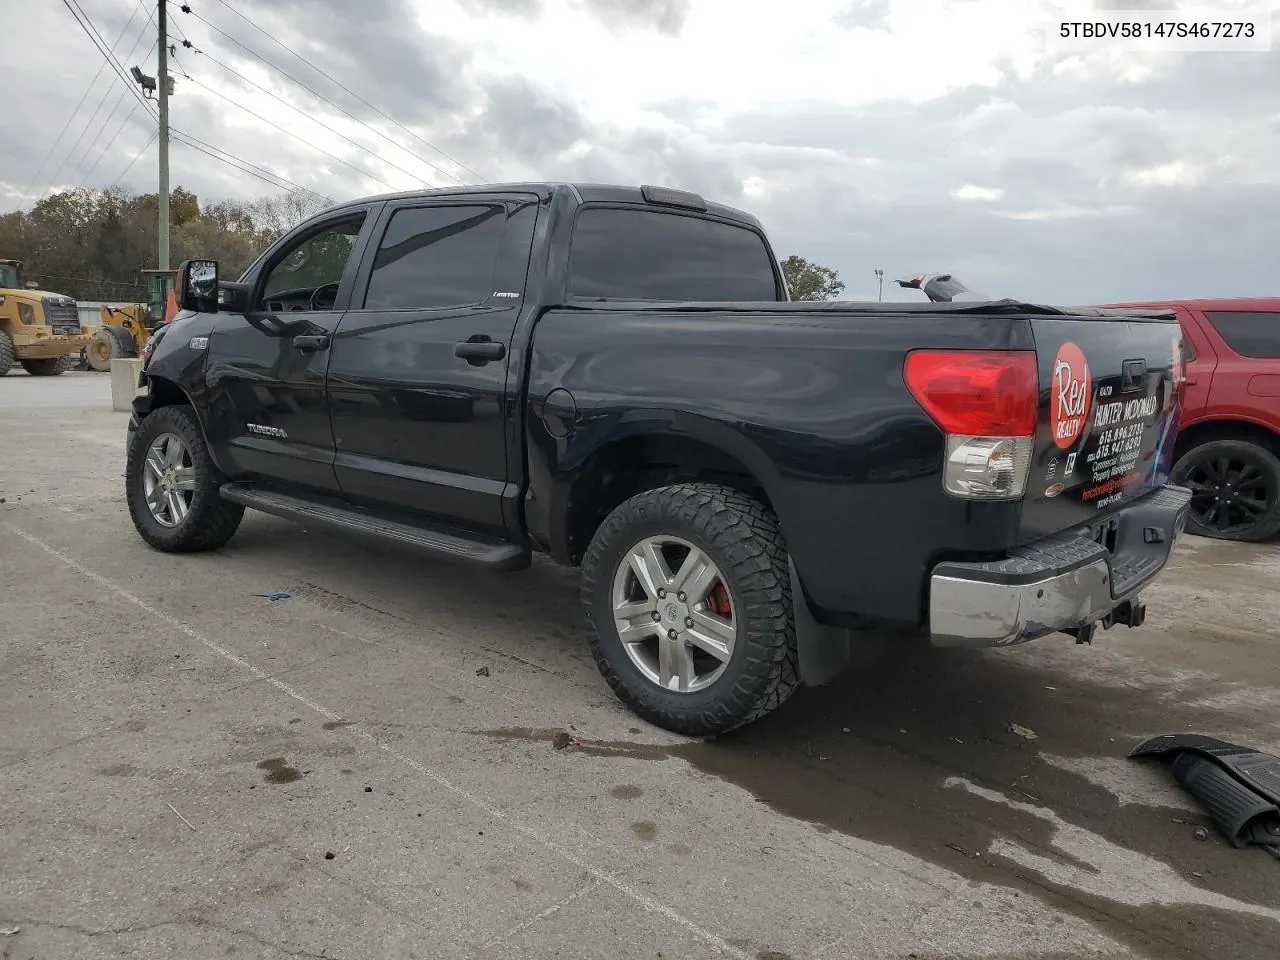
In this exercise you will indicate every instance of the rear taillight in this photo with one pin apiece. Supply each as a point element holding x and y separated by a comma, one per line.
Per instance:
<point>1179,371</point>
<point>985,402</point>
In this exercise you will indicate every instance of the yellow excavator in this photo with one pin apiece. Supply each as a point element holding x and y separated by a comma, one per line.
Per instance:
<point>124,330</point>
<point>38,329</point>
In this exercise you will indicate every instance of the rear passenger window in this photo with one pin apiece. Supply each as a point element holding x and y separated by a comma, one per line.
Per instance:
<point>1254,333</point>
<point>439,256</point>
<point>622,254</point>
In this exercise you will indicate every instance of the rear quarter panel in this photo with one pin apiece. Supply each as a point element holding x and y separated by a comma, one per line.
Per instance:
<point>814,405</point>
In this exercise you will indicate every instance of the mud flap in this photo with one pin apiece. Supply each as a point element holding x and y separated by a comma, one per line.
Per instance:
<point>1238,786</point>
<point>822,651</point>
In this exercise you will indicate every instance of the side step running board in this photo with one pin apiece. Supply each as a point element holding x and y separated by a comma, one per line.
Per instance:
<point>454,547</point>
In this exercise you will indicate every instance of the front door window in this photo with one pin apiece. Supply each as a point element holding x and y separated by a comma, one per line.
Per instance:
<point>307,276</point>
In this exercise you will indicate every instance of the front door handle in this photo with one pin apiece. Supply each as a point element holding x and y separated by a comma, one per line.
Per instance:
<point>308,343</point>
<point>479,349</point>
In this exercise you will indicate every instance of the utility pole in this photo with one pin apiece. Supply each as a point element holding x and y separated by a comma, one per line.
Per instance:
<point>162,94</point>
<point>879,272</point>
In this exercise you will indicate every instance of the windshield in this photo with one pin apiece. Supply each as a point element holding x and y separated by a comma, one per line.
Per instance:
<point>10,276</point>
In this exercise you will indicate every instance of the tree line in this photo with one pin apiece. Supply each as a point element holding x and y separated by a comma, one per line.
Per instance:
<point>94,244</point>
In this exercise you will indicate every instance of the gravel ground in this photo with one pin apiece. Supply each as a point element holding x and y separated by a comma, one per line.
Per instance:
<point>369,768</point>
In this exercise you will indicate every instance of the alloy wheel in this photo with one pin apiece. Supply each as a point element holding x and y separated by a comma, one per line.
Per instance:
<point>168,480</point>
<point>674,613</point>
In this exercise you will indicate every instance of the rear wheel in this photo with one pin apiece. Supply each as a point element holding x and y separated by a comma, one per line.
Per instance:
<point>172,485</point>
<point>48,366</point>
<point>688,591</point>
<point>6,353</point>
<point>1235,490</point>
<point>106,345</point>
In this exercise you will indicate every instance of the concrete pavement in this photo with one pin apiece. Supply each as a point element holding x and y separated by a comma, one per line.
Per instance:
<point>369,767</point>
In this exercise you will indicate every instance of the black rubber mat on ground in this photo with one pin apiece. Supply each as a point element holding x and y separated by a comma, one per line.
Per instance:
<point>1238,786</point>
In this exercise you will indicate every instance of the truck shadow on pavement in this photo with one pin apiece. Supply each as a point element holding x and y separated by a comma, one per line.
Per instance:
<point>916,749</point>
<point>930,766</point>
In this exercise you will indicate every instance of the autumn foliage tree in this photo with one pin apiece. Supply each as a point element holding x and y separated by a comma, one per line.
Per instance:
<point>94,244</point>
<point>811,281</point>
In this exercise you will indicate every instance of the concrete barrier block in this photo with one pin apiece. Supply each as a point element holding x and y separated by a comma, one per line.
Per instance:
<point>124,382</point>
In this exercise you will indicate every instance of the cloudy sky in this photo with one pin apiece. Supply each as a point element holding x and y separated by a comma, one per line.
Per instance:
<point>908,135</point>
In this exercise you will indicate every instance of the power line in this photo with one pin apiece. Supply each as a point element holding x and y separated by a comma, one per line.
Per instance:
<point>350,92</point>
<point>155,135</point>
<point>242,167</point>
<point>318,149</point>
<point>142,34</point>
<point>275,180</point>
<point>262,173</point>
<point>96,38</point>
<point>297,109</point>
<point>110,140</point>
<point>186,9</point>
<point>83,97</point>
<point>105,145</point>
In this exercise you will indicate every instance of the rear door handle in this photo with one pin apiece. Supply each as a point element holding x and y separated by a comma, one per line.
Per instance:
<point>308,343</point>
<point>479,349</point>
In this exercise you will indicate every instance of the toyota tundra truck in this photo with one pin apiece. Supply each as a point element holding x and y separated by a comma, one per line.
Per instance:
<point>614,377</point>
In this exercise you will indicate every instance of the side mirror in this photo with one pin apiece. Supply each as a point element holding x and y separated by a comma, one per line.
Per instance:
<point>32,285</point>
<point>199,285</point>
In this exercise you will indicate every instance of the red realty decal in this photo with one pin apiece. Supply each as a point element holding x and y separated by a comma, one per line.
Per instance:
<point>1070,396</point>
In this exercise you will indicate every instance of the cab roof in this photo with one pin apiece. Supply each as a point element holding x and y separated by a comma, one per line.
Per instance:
<point>661,197</point>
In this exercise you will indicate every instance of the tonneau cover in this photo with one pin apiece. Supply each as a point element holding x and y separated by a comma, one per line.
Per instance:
<point>861,307</point>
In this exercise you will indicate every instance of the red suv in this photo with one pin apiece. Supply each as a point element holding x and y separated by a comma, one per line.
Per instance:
<point>1228,447</point>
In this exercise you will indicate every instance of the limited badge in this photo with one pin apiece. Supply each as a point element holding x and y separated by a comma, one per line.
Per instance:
<point>1070,395</point>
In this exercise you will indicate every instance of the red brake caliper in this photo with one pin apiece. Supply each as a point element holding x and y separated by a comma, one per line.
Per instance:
<point>719,601</point>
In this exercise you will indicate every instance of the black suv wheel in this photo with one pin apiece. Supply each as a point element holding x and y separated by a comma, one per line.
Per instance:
<point>1235,490</point>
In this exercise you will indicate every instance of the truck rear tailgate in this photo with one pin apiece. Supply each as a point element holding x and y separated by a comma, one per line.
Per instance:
<point>1109,405</point>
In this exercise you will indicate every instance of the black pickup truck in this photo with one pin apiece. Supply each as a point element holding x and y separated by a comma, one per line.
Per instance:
<point>615,377</point>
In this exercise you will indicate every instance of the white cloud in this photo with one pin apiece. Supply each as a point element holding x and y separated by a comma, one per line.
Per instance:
<point>907,134</point>
<point>1176,174</point>
<point>972,192</point>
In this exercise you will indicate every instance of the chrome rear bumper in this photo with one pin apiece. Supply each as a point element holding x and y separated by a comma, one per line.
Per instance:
<point>1068,583</point>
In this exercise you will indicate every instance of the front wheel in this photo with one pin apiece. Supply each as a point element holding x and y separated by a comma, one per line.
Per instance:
<point>1235,490</point>
<point>688,591</point>
<point>171,485</point>
<point>6,353</point>
<point>48,366</point>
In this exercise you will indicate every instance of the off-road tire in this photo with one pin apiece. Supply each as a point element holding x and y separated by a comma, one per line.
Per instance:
<point>108,336</point>
<point>48,366</point>
<point>211,521</point>
<point>6,353</point>
<point>742,538</point>
<point>1268,525</point>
